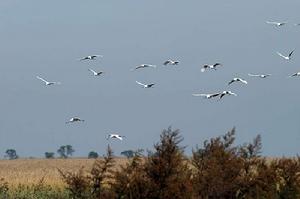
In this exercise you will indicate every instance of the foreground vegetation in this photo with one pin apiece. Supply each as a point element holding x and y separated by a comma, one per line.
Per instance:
<point>217,169</point>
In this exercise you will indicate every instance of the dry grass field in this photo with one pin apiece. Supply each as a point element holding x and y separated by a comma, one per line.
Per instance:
<point>31,171</point>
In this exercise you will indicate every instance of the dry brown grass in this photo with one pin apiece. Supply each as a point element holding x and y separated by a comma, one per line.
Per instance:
<point>31,171</point>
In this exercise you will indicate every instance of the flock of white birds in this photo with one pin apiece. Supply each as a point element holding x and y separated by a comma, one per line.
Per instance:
<point>204,68</point>
<point>238,79</point>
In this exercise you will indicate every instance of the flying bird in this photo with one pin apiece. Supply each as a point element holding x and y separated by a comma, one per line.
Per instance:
<point>259,75</point>
<point>278,24</point>
<point>206,96</point>
<point>209,66</point>
<point>74,119</point>
<point>226,93</point>
<point>237,79</point>
<point>286,57</point>
<point>145,85</point>
<point>46,82</point>
<point>171,62</point>
<point>295,74</point>
<point>96,73</point>
<point>90,57</point>
<point>144,66</point>
<point>115,136</point>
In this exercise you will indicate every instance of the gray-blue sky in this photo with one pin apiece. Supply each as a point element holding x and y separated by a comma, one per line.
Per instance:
<point>47,37</point>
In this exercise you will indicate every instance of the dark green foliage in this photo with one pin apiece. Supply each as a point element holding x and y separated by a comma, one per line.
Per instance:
<point>65,151</point>
<point>49,155</point>
<point>69,150</point>
<point>128,153</point>
<point>132,153</point>
<point>93,154</point>
<point>11,154</point>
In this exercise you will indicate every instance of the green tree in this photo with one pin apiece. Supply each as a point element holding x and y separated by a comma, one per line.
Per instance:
<point>11,154</point>
<point>69,150</point>
<point>62,152</point>
<point>128,153</point>
<point>65,151</point>
<point>93,154</point>
<point>49,155</point>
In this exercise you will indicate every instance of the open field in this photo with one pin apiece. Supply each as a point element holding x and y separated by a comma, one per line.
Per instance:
<point>30,171</point>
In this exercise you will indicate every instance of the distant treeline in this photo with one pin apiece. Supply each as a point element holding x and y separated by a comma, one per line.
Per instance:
<point>217,170</point>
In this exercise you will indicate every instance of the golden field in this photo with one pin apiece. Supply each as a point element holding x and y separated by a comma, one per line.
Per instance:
<point>31,171</point>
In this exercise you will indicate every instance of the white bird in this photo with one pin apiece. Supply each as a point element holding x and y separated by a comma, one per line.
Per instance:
<point>74,119</point>
<point>237,79</point>
<point>90,57</point>
<point>144,66</point>
<point>295,74</point>
<point>96,73</point>
<point>145,85</point>
<point>226,93</point>
<point>209,66</point>
<point>286,57</point>
<point>278,24</point>
<point>171,62</point>
<point>115,136</point>
<point>259,75</point>
<point>206,96</point>
<point>46,82</point>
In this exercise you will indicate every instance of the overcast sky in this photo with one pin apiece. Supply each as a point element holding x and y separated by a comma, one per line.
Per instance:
<point>46,38</point>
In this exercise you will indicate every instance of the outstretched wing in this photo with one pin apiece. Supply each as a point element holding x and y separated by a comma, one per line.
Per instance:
<point>291,53</point>
<point>215,94</point>
<point>167,62</point>
<point>272,22</point>
<point>199,95</point>
<point>41,79</point>
<point>281,55</point>
<point>119,137</point>
<point>243,81</point>
<point>231,82</point>
<point>222,95</point>
<point>253,75</point>
<point>217,64</point>
<point>94,56</point>
<point>140,83</point>
<point>83,58</point>
<point>92,71</point>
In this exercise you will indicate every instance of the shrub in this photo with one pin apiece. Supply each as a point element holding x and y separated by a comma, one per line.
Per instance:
<point>77,184</point>
<point>217,168</point>
<point>130,179</point>
<point>167,169</point>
